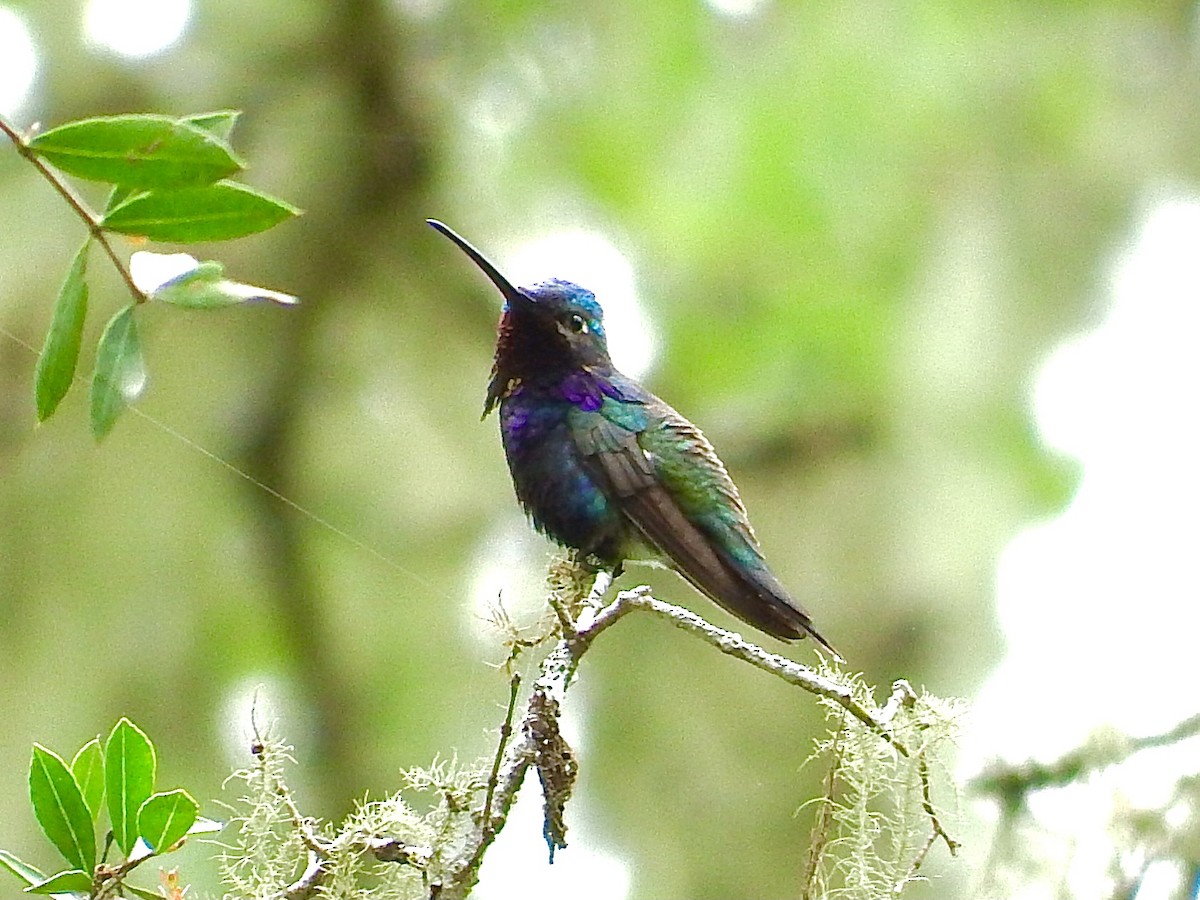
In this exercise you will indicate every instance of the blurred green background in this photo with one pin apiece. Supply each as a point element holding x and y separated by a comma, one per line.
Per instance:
<point>856,228</point>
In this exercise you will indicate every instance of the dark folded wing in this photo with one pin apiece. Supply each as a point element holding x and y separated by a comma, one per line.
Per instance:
<point>672,487</point>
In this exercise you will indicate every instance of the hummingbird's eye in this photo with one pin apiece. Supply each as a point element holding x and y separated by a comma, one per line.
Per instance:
<point>577,324</point>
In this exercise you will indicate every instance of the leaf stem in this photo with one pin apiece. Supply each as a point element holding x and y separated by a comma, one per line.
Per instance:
<point>89,218</point>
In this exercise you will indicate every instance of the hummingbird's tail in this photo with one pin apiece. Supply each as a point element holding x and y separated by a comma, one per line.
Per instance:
<point>743,586</point>
<point>776,606</point>
<point>714,549</point>
<point>758,598</point>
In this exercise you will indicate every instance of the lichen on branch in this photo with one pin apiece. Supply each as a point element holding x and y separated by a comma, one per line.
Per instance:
<point>877,821</point>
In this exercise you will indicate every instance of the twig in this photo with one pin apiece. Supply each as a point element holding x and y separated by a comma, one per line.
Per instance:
<point>595,597</point>
<point>318,850</point>
<point>537,743</point>
<point>392,850</point>
<point>564,617</point>
<point>1012,783</point>
<point>555,676</point>
<point>938,831</point>
<point>93,223</point>
<point>304,886</point>
<point>824,818</point>
<point>735,645</point>
<point>548,691</point>
<point>903,697</point>
<point>110,880</point>
<point>485,818</point>
<point>1011,786</point>
<point>880,722</point>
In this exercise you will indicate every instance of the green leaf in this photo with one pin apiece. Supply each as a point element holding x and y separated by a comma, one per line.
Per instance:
<point>192,289</point>
<point>142,892</point>
<point>23,870</point>
<point>72,881</point>
<point>216,212</point>
<point>204,287</point>
<point>219,123</point>
<point>165,818</point>
<point>141,151</point>
<point>60,809</point>
<point>55,368</point>
<point>120,375</point>
<point>88,769</point>
<point>129,765</point>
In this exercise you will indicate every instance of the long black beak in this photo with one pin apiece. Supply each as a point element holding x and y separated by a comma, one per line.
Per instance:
<point>511,294</point>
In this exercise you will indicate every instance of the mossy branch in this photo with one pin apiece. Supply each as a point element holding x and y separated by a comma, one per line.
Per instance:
<point>444,851</point>
<point>735,645</point>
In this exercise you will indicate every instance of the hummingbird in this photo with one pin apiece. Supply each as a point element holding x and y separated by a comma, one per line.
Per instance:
<point>604,467</point>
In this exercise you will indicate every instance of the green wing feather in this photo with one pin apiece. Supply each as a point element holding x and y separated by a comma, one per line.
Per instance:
<point>670,484</point>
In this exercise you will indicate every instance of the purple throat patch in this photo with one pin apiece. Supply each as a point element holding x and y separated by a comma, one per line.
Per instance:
<point>586,390</point>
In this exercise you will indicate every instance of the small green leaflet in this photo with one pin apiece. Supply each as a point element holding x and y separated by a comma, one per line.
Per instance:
<point>140,151</point>
<point>129,765</point>
<point>60,809</point>
<point>205,287</point>
<point>23,870</point>
<point>166,818</point>
<point>56,363</point>
<point>88,769</point>
<point>120,374</point>
<point>72,881</point>
<point>215,212</point>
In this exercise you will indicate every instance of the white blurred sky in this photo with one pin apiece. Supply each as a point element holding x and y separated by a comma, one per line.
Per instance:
<point>1099,606</point>
<point>18,61</point>
<point>133,29</point>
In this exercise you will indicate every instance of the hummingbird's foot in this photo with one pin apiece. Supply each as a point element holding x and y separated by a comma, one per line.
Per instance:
<point>573,579</point>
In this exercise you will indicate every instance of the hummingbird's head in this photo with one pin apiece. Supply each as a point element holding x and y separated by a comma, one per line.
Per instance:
<point>548,329</point>
<point>565,316</point>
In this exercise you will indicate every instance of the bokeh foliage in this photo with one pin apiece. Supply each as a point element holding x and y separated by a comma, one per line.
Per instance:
<point>857,228</point>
